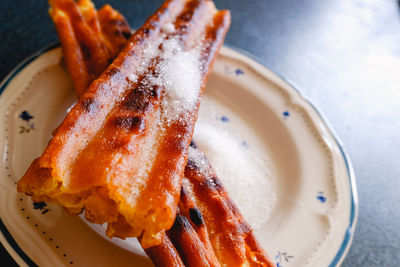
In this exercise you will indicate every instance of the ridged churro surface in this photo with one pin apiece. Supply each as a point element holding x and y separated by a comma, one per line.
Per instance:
<point>121,151</point>
<point>188,242</point>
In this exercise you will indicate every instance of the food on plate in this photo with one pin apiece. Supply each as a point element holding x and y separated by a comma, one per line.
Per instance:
<point>119,155</point>
<point>90,38</point>
<point>194,239</point>
<point>232,238</point>
<point>207,216</point>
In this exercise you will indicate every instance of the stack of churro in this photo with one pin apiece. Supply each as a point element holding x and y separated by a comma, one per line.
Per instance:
<point>123,155</point>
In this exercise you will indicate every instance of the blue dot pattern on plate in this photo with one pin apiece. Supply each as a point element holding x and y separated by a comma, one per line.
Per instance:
<point>26,117</point>
<point>224,119</point>
<point>239,72</point>
<point>41,206</point>
<point>282,257</point>
<point>321,198</point>
<point>286,113</point>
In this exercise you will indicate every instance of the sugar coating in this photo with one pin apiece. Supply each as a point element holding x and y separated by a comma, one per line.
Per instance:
<point>132,77</point>
<point>165,64</point>
<point>179,73</point>
<point>168,28</point>
<point>200,160</point>
<point>176,70</point>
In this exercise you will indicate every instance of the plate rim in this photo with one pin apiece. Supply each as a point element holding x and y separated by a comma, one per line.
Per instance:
<point>354,208</point>
<point>20,256</point>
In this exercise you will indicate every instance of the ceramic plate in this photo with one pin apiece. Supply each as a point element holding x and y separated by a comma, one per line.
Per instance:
<point>302,201</point>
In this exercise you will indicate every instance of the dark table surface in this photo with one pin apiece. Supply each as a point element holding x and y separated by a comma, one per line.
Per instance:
<point>344,55</point>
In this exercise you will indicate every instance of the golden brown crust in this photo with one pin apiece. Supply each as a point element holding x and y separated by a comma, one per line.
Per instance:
<point>85,35</point>
<point>106,139</point>
<point>72,52</point>
<point>115,29</point>
<point>92,47</point>
<point>231,236</point>
<point>187,242</point>
<point>165,254</point>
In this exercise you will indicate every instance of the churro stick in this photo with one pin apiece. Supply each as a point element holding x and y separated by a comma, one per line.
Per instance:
<point>121,151</point>
<point>231,236</point>
<point>115,29</point>
<point>92,48</point>
<point>85,62</point>
<point>189,232</point>
<point>165,254</point>
<point>89,14</point>
<point>72,52</point>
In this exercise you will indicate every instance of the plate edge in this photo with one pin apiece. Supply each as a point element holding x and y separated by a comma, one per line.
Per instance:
<point>13,248</point>
<point>354,210</point>
<point>6,239</point>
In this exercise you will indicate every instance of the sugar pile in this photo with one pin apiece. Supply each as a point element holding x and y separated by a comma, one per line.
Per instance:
<point>245,170</point>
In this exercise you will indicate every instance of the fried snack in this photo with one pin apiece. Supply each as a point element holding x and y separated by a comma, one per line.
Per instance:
<point>117,30</point>
<point>232,238</point>
<point>120,153</point>
<point>86,42</point>
<point>189,233</point>
<point>188,236</point>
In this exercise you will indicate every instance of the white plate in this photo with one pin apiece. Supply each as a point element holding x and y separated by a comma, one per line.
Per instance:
<point>312,204</point>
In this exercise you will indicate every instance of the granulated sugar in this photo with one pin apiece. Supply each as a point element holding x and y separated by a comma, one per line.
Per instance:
<point>201,162</point>
<point>179,72</point>
<point>243,167</point>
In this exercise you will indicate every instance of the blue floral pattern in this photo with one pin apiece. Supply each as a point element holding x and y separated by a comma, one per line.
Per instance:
<point>321,197</point>
<point>282,257</point>
<point>25,116</point>
<point>286,114</point>
<point>233,71</point>
<point>41,206</point>
<point>224,119</point>
<point>239,72</point>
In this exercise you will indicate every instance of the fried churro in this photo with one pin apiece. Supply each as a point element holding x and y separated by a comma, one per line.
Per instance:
<point>219,237</point>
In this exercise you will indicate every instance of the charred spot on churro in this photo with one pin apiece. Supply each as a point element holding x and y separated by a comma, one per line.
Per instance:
<point>183,192</point>
<point>185,17</point>
<point>196,217</point>
<point>212,183</point>
<point>146,30</point>
<point>138,100</point>
<point>85,51</point>
<point>126,34</point>
<point>191,164</point>
<point>129,123</point>
<point>181,223</point>
<point>88,104</point>
<point>113,71</point>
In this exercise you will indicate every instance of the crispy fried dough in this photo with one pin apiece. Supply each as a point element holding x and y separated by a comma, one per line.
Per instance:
<point>188,241</point>
<point>124,145</point>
